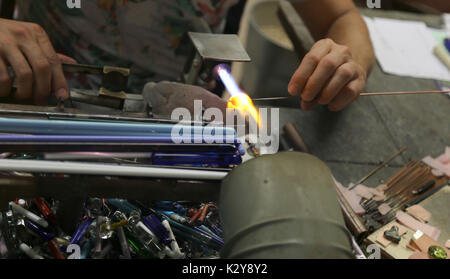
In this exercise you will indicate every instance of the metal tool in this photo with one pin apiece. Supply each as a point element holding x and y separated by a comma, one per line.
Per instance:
<point>114,79</point>
<point>398,197</point>
<point>424,188</point>
<point>409,186</point>
<point>71,113</point>
<point>378,168</point>
<point>392,234</point>
<point>429,194</point>
<point>122,101</point>
<point>364,94</point>
<point>209,50</point>
<point>111,93</point>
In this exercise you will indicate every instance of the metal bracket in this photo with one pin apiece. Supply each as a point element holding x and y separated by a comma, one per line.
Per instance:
<point>212,48</point>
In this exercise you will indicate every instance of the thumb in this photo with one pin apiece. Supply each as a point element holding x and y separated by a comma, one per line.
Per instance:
<point>59,82</point>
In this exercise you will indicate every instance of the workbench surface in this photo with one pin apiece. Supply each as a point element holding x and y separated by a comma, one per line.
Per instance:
<point>354,141</point>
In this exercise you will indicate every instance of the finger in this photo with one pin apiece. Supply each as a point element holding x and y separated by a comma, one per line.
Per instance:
<point>5,80</point>
<point>22,72</point>
<point>347,95</point>
<point>343,75</point>
<point>323,72</point>
<point>308,65</point>
<point>41,70</point>
<point>309,105</point>
<point>66,59</point>
<point>59,84</point>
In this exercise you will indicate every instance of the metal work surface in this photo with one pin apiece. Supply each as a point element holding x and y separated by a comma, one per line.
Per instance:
<point>355,140</point>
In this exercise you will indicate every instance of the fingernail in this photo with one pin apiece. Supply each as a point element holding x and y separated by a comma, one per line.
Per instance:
<point>293,89</point>
<point>305,95</point>
<point>305,98</point>
<point>62,93</point>
<point>332,108</point>
<point>305,106</point>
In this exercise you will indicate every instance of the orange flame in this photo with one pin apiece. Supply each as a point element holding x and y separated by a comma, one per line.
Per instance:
<point>244,105</point>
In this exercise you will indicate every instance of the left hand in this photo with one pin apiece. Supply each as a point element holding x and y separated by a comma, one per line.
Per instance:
<point>328,75</point>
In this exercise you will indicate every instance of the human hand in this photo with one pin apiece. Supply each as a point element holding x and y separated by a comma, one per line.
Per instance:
<point>328,75</point>
<point>37,67</point>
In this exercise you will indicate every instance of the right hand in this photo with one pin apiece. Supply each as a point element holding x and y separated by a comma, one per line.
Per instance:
<point>37,67</point>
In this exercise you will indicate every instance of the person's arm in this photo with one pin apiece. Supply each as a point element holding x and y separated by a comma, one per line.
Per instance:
<point>335,70</point>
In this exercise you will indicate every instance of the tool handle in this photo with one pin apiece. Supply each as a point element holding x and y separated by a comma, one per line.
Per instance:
<point>427,195</point>
<point>294,28</point>
<point>295,138</point>
<point>443,55</point>
<point>424,188</point>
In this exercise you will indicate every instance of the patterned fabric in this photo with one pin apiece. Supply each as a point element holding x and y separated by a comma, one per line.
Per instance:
<point>148,36</point>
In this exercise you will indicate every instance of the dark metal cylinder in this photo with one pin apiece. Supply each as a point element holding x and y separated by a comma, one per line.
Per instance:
<point>282,206</point>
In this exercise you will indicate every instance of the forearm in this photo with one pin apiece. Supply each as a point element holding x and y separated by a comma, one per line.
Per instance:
<point>334,72</point>
<point>351,30</point>
<point>341,22</point>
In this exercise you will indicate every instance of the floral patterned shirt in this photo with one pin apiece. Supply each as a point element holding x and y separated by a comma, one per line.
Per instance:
<point>148,36</point>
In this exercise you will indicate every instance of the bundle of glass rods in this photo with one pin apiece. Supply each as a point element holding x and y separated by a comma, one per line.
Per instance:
<point>406,187</point>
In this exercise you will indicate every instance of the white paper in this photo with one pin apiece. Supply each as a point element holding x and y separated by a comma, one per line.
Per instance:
<point>447,21</point>
<point>405,48</point>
